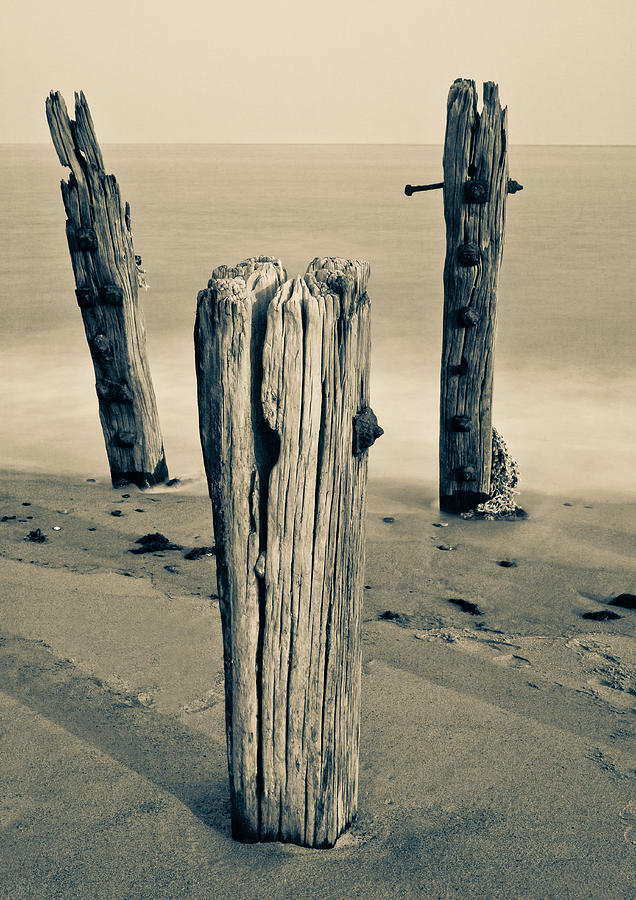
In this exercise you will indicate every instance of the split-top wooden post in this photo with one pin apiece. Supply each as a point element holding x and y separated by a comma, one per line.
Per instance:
<point>475,189</point>
<point>106,273</point>
<point>283,389</point>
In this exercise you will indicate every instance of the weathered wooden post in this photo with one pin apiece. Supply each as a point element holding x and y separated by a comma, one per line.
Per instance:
<point>475,187</point>
<point>106,278</point>
<point>283,389</point>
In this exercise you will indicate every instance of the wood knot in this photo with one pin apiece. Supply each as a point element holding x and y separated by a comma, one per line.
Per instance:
<point>365,431</point>
<point>514,186</point>
<point>111,295</point>
<point>126,438</point>
<point>86,239</point>
<point>86,298</point>
<point>467,317</point>
<point>476,191</point>
<point>468,254</point>
<point>460,423</point>
<point>465,474</point>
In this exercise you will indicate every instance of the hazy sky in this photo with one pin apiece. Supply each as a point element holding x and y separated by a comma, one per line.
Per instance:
<point>331,70</point>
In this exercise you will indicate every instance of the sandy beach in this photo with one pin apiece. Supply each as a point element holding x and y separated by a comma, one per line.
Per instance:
<point>496,731</point>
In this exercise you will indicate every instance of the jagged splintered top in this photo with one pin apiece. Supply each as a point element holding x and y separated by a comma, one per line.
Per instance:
<point>262,278</point>
<point>74,140</point>
<point>463,90</point>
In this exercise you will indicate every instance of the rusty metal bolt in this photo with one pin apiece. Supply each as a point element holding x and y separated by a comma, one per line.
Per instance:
<point>460,423</point>
<point>365,430</point>
<point>476,191</point>
<point>468,254</point>
<point>111,295</point>
<point>465,473</point>
<point>126,438</point>
<point>86,239</point>
<point>85,297</point>
<point>460,369</point>
<point>514,186</point>
<point>113,391</point>
<point>467,316</point>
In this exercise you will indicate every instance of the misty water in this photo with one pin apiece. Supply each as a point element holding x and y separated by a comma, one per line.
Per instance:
<point>564,364</point>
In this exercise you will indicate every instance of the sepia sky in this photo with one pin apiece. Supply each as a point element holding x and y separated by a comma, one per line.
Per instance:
<point>326,71</point>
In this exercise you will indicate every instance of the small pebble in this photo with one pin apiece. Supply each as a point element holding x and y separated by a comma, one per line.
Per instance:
<point>388,519</point>
<point>568,504</point>
<point>62,512</point>
<point>445,547</point>
<point>507,564</point>
<point>25,503</point>
<point>116,512</point>
<point>91,479</point>
<point>125,496</point>
<point>140,510</point>
<point>172,569</point>
<point>440,524</point>
<point>367,587</point>
<point>56,528</point>
<point>92,529</point>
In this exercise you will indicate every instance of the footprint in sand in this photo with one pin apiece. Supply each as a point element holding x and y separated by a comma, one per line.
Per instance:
<point>512,661</point>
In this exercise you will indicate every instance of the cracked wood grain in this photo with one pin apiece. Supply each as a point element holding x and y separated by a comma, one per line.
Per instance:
<point>475,150</point>
<point>103,259</point>
<point>288,497</point>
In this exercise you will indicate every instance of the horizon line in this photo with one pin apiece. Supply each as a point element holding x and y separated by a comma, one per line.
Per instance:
<point>297,144</point>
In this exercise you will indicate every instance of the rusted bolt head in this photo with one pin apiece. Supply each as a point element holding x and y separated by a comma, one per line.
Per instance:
<point>113,391</point>
<point>86,239</point>
<point>460,423</point>
<point>467,316</point>
<point>85,297</point>
<point>468,254</point>
<point>460,369</point>
<point>465,473</point>
<point>365,430</point>
<point>101,345</point>
<point>476,191</point>
<point>126,438</point>
<point>111,295</point>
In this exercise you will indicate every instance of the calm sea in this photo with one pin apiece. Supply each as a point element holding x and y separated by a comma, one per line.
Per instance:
<point>565,365</point>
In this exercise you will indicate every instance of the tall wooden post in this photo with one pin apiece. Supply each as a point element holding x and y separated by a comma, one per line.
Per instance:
<point>105,268</point>
<point>283,389</point>
<point>475,188</point>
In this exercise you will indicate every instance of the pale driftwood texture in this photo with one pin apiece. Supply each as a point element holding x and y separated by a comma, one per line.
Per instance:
<point>283,371</point>
<point>101,247</point>
<point>475,188</point>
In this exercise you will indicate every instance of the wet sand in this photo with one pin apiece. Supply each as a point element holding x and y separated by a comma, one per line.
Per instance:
<point>497,721</point>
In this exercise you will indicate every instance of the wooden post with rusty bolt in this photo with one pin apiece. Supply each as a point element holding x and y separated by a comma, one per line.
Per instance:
<point>283,390</point>
<point>106,277</point>
<point>475,187</point>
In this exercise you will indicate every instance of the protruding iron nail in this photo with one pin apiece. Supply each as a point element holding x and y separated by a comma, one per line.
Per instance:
<point>514,186</point>
<point>414,188</point>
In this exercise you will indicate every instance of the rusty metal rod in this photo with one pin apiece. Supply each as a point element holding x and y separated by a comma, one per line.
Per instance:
<point>512,188</point>
<point>413,188</point>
